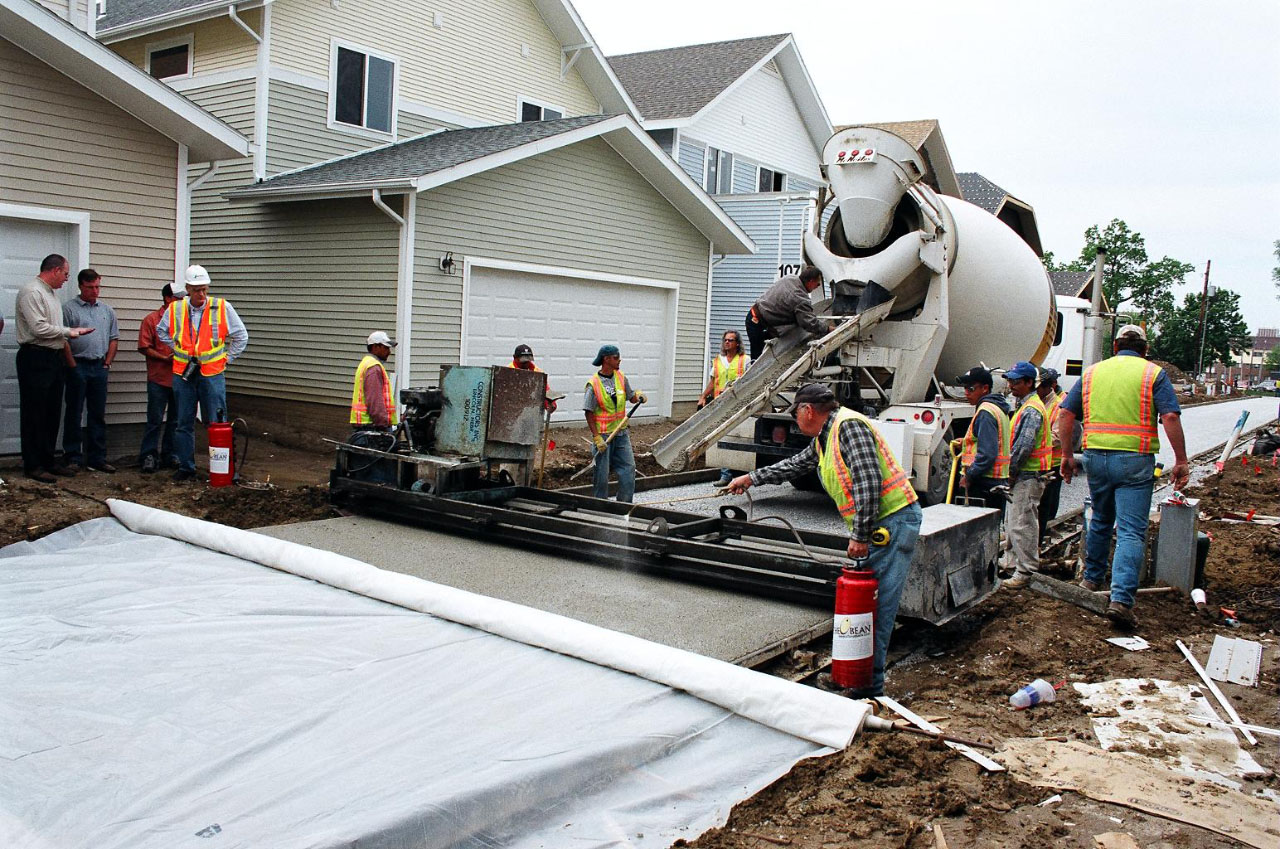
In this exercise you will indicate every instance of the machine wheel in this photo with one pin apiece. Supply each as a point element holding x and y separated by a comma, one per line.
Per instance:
<point>939,476</point>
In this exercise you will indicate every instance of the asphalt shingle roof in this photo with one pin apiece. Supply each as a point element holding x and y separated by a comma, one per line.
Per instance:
<point>121,12</point>
<point>679,81</point>
<point>980,191</point>
<point>424,154</point>
<point>1069,283</point>
<point>914,133</point>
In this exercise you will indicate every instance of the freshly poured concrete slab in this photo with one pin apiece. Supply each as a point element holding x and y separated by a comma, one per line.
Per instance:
<point>713,622</point>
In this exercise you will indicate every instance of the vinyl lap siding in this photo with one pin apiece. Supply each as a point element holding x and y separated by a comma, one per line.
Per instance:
<point>218,44</point>
<point>479,43</point>
<point>63,147</point>
<point>298,133</point>
<point>579,207</point>
<point>311,281</point>
<point>746,177</point>
<point>692,159</point>
<point>778,231</point>
<point>230,102</point>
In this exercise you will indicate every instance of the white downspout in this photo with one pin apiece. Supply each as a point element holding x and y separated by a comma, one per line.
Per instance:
<point>260,87</point>
<point>182,215</point>
<point>404,288</point>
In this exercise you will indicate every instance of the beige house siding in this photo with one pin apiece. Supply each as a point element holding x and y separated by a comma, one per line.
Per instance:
<point>580,207</point>
<point>298,133</point>
<point>479,43</point>
<point>230,102</point>
<point>61,146</point>
<point>217,45</point>
<point>310,280</point>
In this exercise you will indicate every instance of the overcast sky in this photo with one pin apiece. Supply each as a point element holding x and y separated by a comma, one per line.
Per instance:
<point>1165,114</point>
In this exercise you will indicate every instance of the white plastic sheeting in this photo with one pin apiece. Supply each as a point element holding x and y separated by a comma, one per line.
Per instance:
<point>155,693</point>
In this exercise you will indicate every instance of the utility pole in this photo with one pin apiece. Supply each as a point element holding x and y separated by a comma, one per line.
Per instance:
<point>1093,342</point>
<point>1204,310</point>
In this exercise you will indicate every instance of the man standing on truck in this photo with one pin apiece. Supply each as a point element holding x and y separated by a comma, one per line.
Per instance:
<point>1119,401</point>
<point>871,491</point>
<point>783,304</point>
<point>605,405</point>
<point>985,452</point>
<point>1030,462</point>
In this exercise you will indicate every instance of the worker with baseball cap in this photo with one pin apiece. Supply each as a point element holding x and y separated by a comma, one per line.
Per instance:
<point>1030,463</point>
<point>871,491</point>
<point>1119,401</point>
<point>522,358</point>
<point>985,447</point>
<point>604,403</point>
<point>373,403</point>
<point>1052,397</point>
<point>206,336</point>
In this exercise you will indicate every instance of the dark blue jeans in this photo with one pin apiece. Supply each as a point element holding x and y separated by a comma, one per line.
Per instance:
<point>86,390</point>
<point>618,457</point>
<point>211,392</point>
<point>1120,485</point>
<point>162,412</point>
<point>891,563</point>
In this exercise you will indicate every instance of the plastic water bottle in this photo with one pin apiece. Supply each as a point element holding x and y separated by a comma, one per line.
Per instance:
<point>1037,692</point>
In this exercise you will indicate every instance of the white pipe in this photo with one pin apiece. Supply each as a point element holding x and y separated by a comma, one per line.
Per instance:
<point>231,12</point>
<point>209,172</point>
<point>391,213</point>
<point>404,288</point>
<point>260,87</point>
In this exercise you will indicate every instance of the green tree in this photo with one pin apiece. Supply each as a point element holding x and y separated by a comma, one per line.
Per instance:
<point>1272,361</point>
<point>1132,283</point>
<point>1178,339</point>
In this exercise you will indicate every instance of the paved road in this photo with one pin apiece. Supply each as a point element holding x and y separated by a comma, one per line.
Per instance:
<point>1205,426</point>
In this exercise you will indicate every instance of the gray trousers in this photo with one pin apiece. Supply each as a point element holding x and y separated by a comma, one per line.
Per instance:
<point>1022,524</point>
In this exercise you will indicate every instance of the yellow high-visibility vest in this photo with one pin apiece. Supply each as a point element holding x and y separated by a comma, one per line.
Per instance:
<point>896,491</point>
<point>1041,457</point>
<point>725,371</point>
<point>609,413</point>
<point>1119,405</point>
<point>359,405</point>
<point>999,469</point>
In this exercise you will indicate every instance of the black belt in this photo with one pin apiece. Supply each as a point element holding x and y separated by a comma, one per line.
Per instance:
<point>91,360</point>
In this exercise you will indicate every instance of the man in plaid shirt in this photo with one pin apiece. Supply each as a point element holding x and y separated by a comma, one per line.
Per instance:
<point>869,488</point>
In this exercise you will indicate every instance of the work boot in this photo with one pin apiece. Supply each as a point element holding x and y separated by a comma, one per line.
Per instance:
<point>42,476</point>
<point>1017,582</point>
<point>183,475</point>
<point>149,464</point>
<point>1121,615</point>
<point>1091,586</point>
<point>103,467</point>
<point>65,471</point>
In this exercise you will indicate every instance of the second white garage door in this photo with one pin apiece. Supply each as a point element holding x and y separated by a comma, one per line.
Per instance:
<point>566,318</point>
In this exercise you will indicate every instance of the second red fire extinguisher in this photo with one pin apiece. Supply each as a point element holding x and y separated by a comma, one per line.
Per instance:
<point>853,635</point>
<point>221,465</point>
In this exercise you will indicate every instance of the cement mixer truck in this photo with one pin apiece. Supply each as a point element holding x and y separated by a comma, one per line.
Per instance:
<point>923,287</point>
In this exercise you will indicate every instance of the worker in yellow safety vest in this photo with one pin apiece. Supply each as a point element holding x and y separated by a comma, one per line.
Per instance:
<point>604,403</point>
<point>985,449</point>
<point>1030,463</point>
<point>1052,397</point>
<point>206,335</point>
<point>727,367</point>
<point>373,404</point>
<point>1119,401</point>
<point>871,491</point>
<point>522,358</point>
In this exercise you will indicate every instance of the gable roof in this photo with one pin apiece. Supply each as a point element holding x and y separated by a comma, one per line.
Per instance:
<point>1069,284</point>
<point>1018,214</point>
<point>441,157</point>
<point>673,87</point>
<point>130,18</point>
<point>61,46</point>
<point>925,136</point>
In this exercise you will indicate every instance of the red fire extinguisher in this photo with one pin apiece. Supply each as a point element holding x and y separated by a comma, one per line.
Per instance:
<point>221,464</point>
<point>853,634</point>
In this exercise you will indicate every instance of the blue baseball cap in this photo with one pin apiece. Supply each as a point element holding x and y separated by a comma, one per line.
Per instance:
<point>1021,371</point>
<point>606,351</point>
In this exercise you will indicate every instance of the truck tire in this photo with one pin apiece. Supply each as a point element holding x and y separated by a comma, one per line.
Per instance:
<point>939,475</point>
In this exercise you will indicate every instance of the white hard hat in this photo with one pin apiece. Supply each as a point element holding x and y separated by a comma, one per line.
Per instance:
<point>196,276</point>
<point>377,337</point>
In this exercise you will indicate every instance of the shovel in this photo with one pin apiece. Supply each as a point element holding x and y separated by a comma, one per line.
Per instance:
<point>609,439</point>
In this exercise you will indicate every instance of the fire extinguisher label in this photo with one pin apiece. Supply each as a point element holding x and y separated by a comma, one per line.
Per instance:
<point>852,637</point>
<point>219,461</point>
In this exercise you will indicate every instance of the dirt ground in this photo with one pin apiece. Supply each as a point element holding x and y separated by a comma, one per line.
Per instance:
<point>887,790</point>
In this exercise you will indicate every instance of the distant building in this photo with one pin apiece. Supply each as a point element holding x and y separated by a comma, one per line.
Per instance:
<point>1248,367</point>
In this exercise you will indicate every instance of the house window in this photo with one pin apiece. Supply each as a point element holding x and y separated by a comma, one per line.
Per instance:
<point>718,178</point>
<point>364,89</point>
<point>100,7</point>
<point>771,181</point>
<point>530,111</point>
<point>169,59</point>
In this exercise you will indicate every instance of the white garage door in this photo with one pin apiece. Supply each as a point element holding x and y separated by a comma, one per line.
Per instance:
<point>23,244</point>
<point>565,320</point>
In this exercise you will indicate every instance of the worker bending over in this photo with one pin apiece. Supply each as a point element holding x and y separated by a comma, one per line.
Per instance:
<point>1030,463</point>
<point>870,489</point>
<point>985,449</point>
<point>605,405</point>
<point>373,404</point>
<point>1119,400</point>
<point>727,367</point>
<point>782,305</point>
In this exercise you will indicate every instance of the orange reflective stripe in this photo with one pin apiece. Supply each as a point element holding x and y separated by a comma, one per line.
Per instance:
<point>609,415</point>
